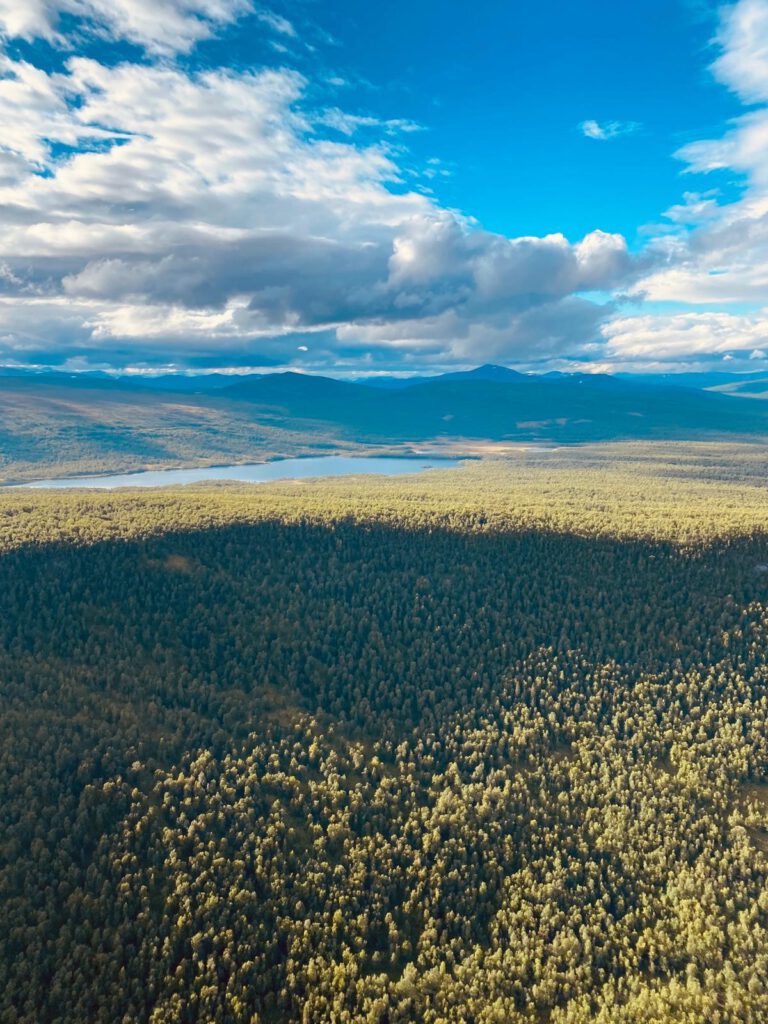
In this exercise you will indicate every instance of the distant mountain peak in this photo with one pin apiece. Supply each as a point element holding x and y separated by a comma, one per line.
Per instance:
<point>496,369</point>
<point>488,371</point>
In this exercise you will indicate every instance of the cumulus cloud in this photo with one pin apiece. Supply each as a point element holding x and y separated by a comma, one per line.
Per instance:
<point>153,211</point>
<point>684,334</point>
<point>152,205</point>
<point>160,26</point>
<point>486,269</point>
<point>539,332</point>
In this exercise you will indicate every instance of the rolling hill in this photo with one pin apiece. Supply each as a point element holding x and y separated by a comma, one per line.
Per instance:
<point>567,409</point>
<point>89,425</point>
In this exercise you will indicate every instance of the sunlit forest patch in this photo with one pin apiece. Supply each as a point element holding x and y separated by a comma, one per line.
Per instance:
<point>482,745</point>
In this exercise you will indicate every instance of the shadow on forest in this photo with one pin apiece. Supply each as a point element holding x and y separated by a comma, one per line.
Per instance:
<point>375,626</point>
<point>354,691</point>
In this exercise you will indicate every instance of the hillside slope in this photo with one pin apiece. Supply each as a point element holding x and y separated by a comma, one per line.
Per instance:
<point>94,425</point>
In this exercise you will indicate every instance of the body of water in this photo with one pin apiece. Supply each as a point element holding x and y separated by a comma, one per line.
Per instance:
<point>258,473</point>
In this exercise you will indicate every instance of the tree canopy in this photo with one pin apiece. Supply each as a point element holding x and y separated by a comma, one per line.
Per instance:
<point>484,746</point>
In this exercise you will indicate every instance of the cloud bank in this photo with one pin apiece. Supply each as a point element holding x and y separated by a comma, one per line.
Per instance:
<point>178,213</point>
<point>159,26</point>
<point>152,213</point>
<point>717,261</point>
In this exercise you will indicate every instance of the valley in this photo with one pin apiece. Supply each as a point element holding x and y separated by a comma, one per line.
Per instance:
<point>80,426</point>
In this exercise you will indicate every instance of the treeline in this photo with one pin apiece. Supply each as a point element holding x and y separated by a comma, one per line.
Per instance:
<point>684,493</point>
<point>383,755</point>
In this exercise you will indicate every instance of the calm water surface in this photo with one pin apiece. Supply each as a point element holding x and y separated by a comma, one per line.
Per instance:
<point>259,473</point>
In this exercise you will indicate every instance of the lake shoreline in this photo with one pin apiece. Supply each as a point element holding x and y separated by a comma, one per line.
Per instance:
<point>272,470</point>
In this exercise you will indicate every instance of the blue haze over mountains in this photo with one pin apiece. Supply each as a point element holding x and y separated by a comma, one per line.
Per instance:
<point>59,424</point>
<point>734,383</point>
<point>488,402</point>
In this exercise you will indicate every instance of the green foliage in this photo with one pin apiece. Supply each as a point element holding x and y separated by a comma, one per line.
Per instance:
<point>490,746</point>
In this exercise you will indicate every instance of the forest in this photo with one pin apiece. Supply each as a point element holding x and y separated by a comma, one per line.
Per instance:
<point>479,746</point>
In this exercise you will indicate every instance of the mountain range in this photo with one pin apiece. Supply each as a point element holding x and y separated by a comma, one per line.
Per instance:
<point>746,384</point>
<point>80,423</point>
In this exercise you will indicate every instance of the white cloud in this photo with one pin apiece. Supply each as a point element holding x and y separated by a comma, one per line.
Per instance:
<point>277,22</point>
<point>695,208</point>
<point>193,209</point>
<point>160,26</point>
<point>684,335</point>
<point>349,124</point>
<point>31,20</point>
<point>147,209</point>
<point>719,258</point>
<point>743,37</point>
<point>719,255</point>
<point>561,326</point>
<point>696,283</point>
<point>608,129</point>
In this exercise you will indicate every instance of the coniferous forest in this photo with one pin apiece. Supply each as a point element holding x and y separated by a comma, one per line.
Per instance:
<point>485,745</point>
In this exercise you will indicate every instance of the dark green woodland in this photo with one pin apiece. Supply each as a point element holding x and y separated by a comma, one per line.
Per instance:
<point>477,747</point>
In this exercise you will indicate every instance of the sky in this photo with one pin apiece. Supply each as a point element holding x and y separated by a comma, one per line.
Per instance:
<point>352,188</point>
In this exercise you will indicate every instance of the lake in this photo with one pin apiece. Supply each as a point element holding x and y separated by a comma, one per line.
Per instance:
<point>258,473</point>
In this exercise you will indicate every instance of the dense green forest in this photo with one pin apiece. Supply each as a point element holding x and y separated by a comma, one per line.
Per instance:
<point>479,746</point>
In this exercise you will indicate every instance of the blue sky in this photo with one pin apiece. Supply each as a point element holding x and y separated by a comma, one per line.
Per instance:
<point>352,187</point>
<point>501,89</point>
